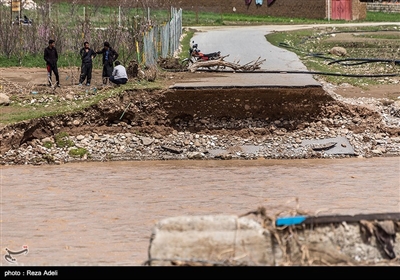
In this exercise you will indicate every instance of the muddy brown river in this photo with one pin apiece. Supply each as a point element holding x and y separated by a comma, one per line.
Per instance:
<point>102,214</point>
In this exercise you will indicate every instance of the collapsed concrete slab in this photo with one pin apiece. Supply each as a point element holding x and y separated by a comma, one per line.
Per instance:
<point>332,146</point>
<point>238,151</point>
<point>232,240</point>
<point>210,240</point>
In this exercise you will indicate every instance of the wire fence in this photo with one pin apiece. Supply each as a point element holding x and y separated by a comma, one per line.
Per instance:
<point>163,40</point>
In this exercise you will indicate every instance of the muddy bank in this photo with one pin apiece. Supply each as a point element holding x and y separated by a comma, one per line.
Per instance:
<point>189,124</point>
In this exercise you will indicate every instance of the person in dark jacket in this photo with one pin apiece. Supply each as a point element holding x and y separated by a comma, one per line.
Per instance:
<point>51,58</point>
<point>109,56</point>
<point>87,55</point>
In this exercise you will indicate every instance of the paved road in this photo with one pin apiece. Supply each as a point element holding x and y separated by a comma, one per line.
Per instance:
<point>246,44</point>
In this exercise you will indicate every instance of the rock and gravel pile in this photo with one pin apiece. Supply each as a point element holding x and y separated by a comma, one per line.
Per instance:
<point>236,139</point>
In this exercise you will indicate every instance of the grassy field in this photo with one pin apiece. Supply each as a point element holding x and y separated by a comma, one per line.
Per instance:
<point>102,16</point>
<point>371,50</point>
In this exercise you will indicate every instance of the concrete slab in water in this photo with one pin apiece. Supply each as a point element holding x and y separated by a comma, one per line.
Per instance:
<point>248,80</point>
<point>246,149</point>
<point>342,146</point>
<point>212,239</point>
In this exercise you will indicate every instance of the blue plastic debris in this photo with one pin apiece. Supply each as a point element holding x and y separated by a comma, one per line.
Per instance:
<point>288,221</point>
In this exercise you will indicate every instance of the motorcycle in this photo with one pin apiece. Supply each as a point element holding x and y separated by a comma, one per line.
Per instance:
<point>196,55</point>
<point>24,21</point>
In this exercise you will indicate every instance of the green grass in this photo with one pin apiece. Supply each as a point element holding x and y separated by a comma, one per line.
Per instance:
<point>191,18</point>
<point>67,59</point>
<point>48,144</point>
<point>382,17</point>
<point>381,36</point>
<point>312,45</point>
<point>98,16</point>
<point>20,113</point>
<point>103,16</point>
<point>185,44</point>
<point>78,152</point>
<point>62,140</point>
<point>23,109</point>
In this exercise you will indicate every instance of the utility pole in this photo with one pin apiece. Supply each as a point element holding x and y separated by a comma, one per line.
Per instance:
<point>119,16</point>
<point>16,8</point>
<point>197,13</point>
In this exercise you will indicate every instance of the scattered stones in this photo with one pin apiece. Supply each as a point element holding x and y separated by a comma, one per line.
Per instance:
<point>368,132</point>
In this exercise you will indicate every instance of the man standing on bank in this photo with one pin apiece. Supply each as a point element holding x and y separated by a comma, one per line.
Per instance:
<point>109,56</point>
<point>87,55</point>
<point>51,58</point>
<point>119,76</point>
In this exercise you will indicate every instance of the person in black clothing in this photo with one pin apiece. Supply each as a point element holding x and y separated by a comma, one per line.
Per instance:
<point>87,55</point>
<point>51,58</point>
<point>109,56</point>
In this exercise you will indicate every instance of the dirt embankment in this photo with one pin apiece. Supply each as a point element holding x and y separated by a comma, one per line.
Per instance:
<point>160,112</point>
<point>265,113</point>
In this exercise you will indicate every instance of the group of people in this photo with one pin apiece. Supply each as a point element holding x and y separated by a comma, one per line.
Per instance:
<point>113,71</point>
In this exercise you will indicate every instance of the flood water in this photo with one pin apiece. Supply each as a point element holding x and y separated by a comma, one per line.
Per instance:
<point>103,213</point>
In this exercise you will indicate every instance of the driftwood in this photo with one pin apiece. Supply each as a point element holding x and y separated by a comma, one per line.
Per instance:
<point>220,63</point>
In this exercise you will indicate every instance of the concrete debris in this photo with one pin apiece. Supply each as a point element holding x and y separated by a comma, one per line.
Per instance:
<point>224,240</point>
<point>333,146</point>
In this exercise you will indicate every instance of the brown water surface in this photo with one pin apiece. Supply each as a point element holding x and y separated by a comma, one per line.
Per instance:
<point>103,213</point>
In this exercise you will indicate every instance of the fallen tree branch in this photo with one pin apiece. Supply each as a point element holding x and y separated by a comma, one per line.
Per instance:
<point>220,63</point>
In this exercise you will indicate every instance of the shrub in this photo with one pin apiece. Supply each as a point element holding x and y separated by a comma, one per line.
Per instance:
<point>62,140</point>
<point>47,144</point>
<point>78,152</point>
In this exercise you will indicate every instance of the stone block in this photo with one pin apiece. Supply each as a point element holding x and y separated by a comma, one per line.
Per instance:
<point>210,240</point>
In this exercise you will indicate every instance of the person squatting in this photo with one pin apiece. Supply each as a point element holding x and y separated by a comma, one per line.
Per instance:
<point>119,76</point>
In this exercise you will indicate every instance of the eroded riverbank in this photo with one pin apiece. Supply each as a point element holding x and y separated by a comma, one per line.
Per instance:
<point>216,124</point>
